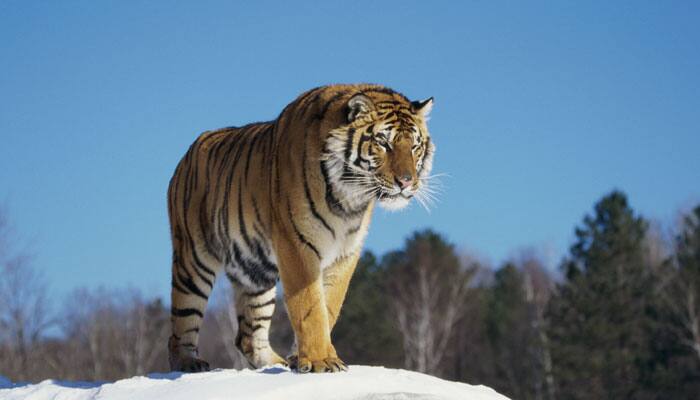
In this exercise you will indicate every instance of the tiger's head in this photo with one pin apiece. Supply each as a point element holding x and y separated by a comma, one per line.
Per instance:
<point>384,152</point>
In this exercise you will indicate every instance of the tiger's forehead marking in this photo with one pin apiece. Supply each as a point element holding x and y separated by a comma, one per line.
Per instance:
<point>398,117</point>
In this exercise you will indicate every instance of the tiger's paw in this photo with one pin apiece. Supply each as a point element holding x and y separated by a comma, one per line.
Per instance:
<point>264,358</point>
<point>304,365</point>
<point>292,361</point>
<point>189,364</point>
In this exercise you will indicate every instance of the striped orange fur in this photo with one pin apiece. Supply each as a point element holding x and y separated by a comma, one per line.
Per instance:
<point>289,199</point>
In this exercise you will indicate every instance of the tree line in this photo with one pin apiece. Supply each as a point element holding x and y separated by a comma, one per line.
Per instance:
<point>620,318</point>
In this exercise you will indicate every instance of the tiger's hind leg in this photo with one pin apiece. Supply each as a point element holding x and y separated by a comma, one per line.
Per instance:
<point>192,282</point>
<point>254,311</point>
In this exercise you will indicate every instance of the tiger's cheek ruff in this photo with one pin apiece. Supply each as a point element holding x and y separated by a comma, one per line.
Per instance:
<point>425,163</point>
<point>349,172</point>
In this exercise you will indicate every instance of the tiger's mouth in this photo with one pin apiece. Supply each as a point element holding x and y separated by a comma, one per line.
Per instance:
<point>394,199</point>
<point>387,194</point>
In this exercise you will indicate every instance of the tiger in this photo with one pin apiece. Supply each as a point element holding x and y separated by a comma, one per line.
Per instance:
<point>291,200</point>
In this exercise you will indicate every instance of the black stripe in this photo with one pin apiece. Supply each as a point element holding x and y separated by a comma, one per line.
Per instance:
<point>198,263</point>
<point>264,243</point>
<point>321,114</point>
<point>333,203</point>
<point>192,287</point>
<point>241,219</point>
<point>229,181</point>
<point>207,233</point>
<point>252,328</point>
<point>185,312</point>
<point>269,160</point>
<point>353,230</point>
<point>213,245</point>
<point>239,337</point>
<point>385,90</point>
<point>258,293</point>
<point>305,100</point>
<point>276,169</point>
<point>251,145</point>
<point>179,288</point>
<point>233,279</point>
<point>265,262</point>
<point>311,101</point>
<point>300,236</point>
<point>425,154</point>
<point>348,144</point>
<point>264,318</point>
<point>307,192</point>
<point>252,270</point>
<point>360,142</point>
<point>265,304</point>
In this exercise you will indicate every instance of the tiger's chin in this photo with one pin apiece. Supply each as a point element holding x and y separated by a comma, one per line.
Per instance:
<point>394,202</point>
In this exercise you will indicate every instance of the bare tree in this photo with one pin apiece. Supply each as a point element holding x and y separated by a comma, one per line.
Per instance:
<point>220,328</point>
<point>88,319</point>
<point>114,334</point>
<point>538,289</point>
<point>428,287</point>
<point>681,292</point>
<point>24,308</point>
<point>688,310</point>
<point>146,330</point>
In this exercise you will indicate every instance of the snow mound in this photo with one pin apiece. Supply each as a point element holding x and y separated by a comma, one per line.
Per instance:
<point>273,383</point>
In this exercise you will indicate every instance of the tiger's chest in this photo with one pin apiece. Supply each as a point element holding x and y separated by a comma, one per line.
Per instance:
<point>348,241</point>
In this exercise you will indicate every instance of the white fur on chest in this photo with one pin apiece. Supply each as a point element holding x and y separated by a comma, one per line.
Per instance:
<point>343,246</point>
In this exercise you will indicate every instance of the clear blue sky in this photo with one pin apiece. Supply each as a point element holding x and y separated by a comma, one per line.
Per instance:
<point>541,108</point>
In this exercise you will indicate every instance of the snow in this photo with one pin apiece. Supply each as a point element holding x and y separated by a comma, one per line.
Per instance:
<point>272,383</point>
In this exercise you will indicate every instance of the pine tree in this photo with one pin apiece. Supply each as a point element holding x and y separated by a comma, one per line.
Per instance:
<point>365,332</point>
<point>518,346</point>
<point>674,368</point>
<point>598,317</point>
<point>509,333</point>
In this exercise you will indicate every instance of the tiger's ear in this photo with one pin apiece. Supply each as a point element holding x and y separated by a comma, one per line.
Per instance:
<point>423,107</point>
<point>359,105</point>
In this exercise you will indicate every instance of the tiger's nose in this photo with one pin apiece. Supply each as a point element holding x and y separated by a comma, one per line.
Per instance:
<point>404,181</point>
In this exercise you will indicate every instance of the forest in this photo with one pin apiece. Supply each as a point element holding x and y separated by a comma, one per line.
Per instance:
<point>619,318</point>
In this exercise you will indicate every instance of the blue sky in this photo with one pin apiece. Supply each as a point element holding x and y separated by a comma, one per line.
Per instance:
<point>541,108</point>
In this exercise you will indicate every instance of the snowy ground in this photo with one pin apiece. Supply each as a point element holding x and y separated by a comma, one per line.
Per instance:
<point>366,383</point>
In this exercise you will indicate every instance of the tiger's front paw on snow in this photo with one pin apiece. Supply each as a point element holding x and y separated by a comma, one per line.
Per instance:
<point>190,364</point>
<point>304,365</point>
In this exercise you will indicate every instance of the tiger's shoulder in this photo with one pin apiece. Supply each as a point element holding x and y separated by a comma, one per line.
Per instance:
<point>328,103</point>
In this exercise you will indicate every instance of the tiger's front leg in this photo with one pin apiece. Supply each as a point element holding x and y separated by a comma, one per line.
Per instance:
<point>303,294</point>
<point>336,279</point>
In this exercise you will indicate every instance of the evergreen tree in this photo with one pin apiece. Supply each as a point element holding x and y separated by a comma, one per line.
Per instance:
<point>599,316</point>
<point>674,369</point>
<point>365,332</point>
<point>509,333</point>
<point>513,323</point>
